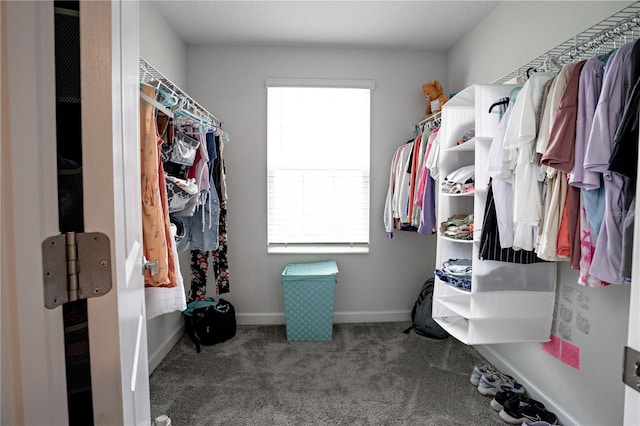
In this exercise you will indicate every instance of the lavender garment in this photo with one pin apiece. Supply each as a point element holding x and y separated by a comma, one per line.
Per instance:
<point>608,113</point>
<point>428,213</point>
<point>607,259</point>
<point>588,181</point>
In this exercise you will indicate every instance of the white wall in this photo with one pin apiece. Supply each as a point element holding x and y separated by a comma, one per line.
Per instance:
<point>511,35</point>
<point>161,46</point>
<point>230,82</point>
<point>165,50</point>
<point>518,31</point>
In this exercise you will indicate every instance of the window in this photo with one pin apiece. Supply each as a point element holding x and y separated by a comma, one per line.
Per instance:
<point>318,139</point>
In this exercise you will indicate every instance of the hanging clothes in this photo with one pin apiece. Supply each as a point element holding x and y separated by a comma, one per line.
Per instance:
<point>199,271</point>
<point>590,86</point>
<point>520,135</point>
<point>607,260</point>
<point>430,135</point>
<point>501,181</point>
<point>427,191</point>
<point>413,174</point>
<point>559,155</point>
<point>201,222</point>
<point>161,300</point>
<point>556,180</point>
<point>155,223</point>
<point>208,225</point>
<point>587,248</point>
<point>587,181</point>
<point>395,209</point>
<point>220,255</point>
<point>490,248</point>
<point>624,158</point>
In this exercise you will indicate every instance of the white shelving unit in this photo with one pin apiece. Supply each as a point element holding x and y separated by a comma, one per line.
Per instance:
<point>507,302</point>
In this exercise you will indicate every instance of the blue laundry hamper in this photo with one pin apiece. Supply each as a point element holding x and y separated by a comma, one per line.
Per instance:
<point>309,290</point>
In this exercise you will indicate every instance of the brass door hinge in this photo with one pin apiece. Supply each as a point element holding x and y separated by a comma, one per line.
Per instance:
<point>75,266</point>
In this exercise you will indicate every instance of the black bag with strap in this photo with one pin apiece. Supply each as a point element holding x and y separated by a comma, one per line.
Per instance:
<point>423,323</point>
<point>208,322</point>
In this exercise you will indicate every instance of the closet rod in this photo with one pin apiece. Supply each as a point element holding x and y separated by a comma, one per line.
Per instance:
<point>157,105</point>
<point>431,121</point>
<point>149,75</point>
<point>618,25</point>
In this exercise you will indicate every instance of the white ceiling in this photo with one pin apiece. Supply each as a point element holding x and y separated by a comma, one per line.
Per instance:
<point>423,25</point>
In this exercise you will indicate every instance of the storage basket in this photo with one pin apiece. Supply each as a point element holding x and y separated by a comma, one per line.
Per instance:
<point>308,300</point>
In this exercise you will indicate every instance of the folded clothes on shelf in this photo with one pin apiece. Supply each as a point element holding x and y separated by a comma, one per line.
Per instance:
<point>459,181</point>
<point>457,188</point>
<point>468,135</point>
<point>458,227</point>
<point>456,272</point>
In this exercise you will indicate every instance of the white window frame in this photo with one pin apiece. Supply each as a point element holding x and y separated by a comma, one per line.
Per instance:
<point>359,247</point>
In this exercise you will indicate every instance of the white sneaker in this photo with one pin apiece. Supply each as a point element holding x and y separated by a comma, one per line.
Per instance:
<point>491,384</point>
<point>479,371</point>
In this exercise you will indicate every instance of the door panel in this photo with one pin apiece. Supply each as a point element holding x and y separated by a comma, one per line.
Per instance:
<point>632,396</point>
<point>112,205</point>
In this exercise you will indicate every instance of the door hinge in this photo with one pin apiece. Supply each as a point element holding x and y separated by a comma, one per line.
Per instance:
<point>75,266</point>
<point>631,372</point>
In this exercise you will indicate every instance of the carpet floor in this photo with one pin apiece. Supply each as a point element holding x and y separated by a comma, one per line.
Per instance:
<point>369,374</point>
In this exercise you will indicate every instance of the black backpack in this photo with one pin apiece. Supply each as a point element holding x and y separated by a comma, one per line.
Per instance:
<point>208,322</point>
<point>423,323</point>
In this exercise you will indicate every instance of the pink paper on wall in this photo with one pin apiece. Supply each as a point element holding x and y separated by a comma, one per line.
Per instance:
<point>552,347</point>
<point>570,354</point>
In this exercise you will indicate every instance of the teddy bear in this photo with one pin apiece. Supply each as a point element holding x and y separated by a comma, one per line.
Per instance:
<point>435,97</point>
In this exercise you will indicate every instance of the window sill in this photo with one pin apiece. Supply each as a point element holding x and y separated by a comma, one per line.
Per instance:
<point>318,249</point>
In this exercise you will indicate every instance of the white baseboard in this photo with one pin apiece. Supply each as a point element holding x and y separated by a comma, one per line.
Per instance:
<point>371,316</point>
<point>498,361</point>
<point>338,317</point>
<point>158,355</point>
<point>259,319</point>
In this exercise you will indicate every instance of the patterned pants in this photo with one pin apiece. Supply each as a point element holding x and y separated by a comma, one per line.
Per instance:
<point>200,264</point>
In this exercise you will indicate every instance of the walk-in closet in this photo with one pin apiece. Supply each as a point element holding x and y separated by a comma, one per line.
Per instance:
<point>238,212</point>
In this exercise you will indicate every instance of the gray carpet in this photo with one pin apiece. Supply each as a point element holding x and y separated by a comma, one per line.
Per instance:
<point>370,374</point>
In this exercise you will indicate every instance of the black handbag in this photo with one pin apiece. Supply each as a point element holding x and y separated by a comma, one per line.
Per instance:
<point>208,322</point>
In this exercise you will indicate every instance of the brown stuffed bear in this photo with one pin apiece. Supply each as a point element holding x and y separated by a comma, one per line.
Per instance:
<point>435,97</point>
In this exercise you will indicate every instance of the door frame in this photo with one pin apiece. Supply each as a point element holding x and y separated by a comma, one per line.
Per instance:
<point>33,384</point>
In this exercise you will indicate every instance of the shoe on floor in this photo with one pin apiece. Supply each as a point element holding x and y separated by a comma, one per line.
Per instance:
<point>518,411</point>
<point>497,403</point>
<point>536,424</point>
<point>479,371</point>
<point>491,384</point>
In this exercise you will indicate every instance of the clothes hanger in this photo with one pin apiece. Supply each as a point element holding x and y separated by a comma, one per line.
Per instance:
<point>500,102</point>
<point>184,115</point>
<point>162,96</point>
<point>194,119</point>
<point>158,105</point>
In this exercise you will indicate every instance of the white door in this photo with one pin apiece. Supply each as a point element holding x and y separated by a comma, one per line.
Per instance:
<point>632,396</point>
<point>112,204</point>
<point>33,364</point>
